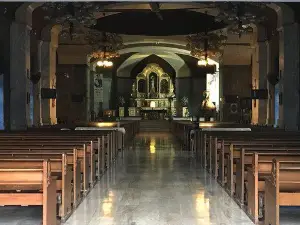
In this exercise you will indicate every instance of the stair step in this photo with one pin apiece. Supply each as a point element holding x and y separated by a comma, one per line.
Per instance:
<point>154,126</point>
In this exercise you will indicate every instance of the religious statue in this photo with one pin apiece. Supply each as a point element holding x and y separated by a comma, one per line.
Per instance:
<point>133,93</point>
<point>153,93</point>
<point>207,107</point>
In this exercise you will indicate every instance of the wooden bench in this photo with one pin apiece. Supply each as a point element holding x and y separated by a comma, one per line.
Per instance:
<point>246,160</point>
<point>30,186</point>
<point>235,156</point>
<point>256,173</point>
<point>223,159</point>
<point>218,152</point>
<point>84,160</point>
<point>87,153</point>
<point>100,143</point>
<point>59,168</point>
<point>282,188</point>
<point>215,145</point>
<point>72,160</point>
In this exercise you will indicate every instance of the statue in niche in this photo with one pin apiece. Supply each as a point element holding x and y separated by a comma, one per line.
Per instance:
<point>153,86</point>
<point>133,90</point>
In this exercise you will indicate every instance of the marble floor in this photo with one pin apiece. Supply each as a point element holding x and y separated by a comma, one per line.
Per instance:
<point>152,183</point>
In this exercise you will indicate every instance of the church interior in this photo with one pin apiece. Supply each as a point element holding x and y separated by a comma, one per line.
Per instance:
<point>157,113</point>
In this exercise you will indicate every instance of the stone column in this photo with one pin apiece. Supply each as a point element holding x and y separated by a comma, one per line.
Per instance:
<point>37,116</point>
<point>259,79</point>
<point>88,93</point>
<point>272,65</point>
<point>19,76</point>
<point>48,80</point>
<point>5,67</point>
<point>289,76</point>
<point>221,95</point>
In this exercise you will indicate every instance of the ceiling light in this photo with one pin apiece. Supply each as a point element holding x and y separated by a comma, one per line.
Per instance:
<point>205,62</point>
<point>104,63</point>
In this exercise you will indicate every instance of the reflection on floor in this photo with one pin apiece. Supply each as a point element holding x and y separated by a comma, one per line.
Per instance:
<point>153,183</point>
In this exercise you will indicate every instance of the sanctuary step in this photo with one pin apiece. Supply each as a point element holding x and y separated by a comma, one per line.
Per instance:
<point>154,126</point>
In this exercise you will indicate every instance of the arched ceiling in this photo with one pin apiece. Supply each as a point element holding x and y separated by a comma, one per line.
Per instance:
<point>165,65</point>
<point>173,59</point>
<point>171,22</point>
<point>163,44</point>
<point>150,49</point>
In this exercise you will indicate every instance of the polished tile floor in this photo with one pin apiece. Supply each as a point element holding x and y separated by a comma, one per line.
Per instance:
<point>152,183</point>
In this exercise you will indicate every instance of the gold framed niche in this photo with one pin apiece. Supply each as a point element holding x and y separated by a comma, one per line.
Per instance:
<point>158,89</point>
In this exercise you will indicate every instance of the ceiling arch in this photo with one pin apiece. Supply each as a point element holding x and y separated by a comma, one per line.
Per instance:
<point>179,65</point>
<point>165,65</point>
<point>150,49</point>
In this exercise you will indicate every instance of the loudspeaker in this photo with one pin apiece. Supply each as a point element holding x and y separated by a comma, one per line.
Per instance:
<point>259,94</point>
<point>234,108</point>
<point>48,93</point>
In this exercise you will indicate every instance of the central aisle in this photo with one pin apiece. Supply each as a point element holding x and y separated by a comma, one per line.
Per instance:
<point>155,183</point>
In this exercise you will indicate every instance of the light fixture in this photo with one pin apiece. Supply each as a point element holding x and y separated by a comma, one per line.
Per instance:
<point>202,62</point>
<point>239,16</point>
<point>108,50</point>
<point>105,63</point>
<point>205,62</point>
<point>210,44</point>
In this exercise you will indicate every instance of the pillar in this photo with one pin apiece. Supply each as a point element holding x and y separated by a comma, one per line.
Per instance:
<point>221,93</point>
<point>37,117</point>
<point>5,67</point>
<point>289,76</point>
<point>88,92</point>
<point>259,73</point>
<point>272,68</point>
<point>19,76</point>
<point>48,80</point>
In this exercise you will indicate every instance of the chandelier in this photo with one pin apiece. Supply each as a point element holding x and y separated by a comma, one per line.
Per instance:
<point>105,47</point>
<point>239,15</point>
<point>203,45</point>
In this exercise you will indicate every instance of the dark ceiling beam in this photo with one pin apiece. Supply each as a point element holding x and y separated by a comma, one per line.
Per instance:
<point>155,8</point>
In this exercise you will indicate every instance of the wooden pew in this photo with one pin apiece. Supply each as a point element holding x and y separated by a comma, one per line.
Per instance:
<point>30,148</point>
<point>236,152</point>
<point>59,168</point>
<point>82,155</point>
<point>217,147</point>
<point>103,144</point>
<point>282,188</point>
<point>245,160</point>
<point>260,169</point>
<point>85,150</point>
<point>72,160</point>
<point>224,162</point>
<point>30,179</point>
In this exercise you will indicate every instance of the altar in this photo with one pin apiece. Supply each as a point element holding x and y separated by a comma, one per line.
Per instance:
<point>153,94</point>
<point>153,113</point>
